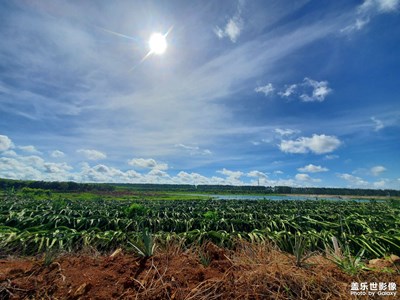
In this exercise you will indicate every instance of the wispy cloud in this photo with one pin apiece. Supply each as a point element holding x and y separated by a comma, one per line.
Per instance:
<point>379,6</point>
<point>318,144</point>
<point>369,9</point>
<point>286,132</point>
<point>288,90</point>
<point>378,124</point>
<point>357,25</point>
<point>266,89</point>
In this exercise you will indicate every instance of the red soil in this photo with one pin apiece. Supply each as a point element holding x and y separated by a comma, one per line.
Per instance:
<point>251,272</point>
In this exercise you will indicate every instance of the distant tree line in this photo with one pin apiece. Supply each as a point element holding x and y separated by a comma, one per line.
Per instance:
<point>214,189</point>
<point>248,189</point>
<point>335,191</point>
<point>70,186</point>
<point>56,186</point>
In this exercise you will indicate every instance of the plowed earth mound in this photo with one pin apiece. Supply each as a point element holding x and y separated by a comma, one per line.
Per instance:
<point>251,272</point>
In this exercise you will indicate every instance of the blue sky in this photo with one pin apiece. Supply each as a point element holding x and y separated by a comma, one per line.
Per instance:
<point>299,93</point>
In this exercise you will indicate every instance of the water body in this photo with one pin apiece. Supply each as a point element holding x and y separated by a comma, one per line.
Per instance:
<point>280,197</point>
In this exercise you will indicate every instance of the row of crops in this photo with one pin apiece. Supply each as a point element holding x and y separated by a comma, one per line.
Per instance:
<point>30,226</point>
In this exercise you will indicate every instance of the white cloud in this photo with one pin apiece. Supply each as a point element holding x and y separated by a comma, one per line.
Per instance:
<point>377,123</point>
<point>57,154</point>
<point>266,89</point>
<point>306,177</point>
<point>149,163</point>
<point>5,143</point>
<point>289,90</point>
<point>34,168</point>
<point>379,184</point>
<point>312,169</point>
<point>308,91</point>
<point>16,168</point>
<point>92,154</point>
<point>353,180</point>
<point>318,144</point>
<point>320,90</point>
<point>192,178</point>
<point>377,170</point>
<point>387,184</point>
<point>158,173</point>
<point>233,177</point>
<point>233,27</point>
<point>56,167</point>
<point>103,173</point>
<point>194,150</point>
<point>9,153</point>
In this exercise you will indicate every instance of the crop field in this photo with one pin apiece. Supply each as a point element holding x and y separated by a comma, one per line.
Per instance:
<point>32,225</point>
<point>158,245</point>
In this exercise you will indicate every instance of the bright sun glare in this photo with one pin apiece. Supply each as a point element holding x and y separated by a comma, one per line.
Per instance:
<point>157,43</point>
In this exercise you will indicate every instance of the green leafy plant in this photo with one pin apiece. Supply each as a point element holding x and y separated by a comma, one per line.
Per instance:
<point>204,257</point>
<point>211,215</point>
<point>343,258</point>
<point>300,249</point>
<point>49,257</point>
<point>136,209</point>
<point>145,246</point>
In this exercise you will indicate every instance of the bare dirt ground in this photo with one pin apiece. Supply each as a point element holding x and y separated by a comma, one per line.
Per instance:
<point>249,272</point>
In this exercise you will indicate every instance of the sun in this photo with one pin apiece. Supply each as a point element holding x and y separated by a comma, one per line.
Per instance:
<point>157,43</point>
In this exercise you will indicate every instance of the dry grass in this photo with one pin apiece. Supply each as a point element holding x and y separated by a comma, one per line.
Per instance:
<point>251,271</point>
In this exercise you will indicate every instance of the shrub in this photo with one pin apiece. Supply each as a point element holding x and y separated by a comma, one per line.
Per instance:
<point>211,215</point>
<point>136,210</point>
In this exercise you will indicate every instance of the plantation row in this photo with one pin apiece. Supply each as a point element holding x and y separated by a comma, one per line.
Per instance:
<point>29,226</point>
